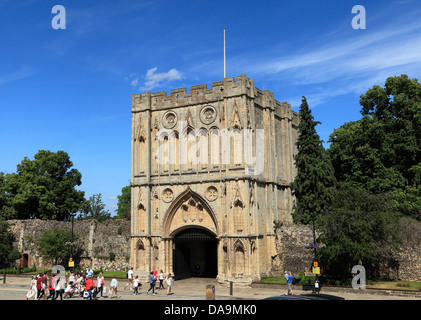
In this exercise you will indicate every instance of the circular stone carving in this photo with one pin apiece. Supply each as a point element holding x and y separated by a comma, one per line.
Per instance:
<point>169,119</point>
<point>208,115</point>
<point>212,193</point>
<point>167,195</point>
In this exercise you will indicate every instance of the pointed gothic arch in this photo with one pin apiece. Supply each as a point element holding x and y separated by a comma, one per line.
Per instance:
<point>189,209</point>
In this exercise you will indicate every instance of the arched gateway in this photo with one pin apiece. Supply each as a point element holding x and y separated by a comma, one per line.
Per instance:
<point>211,172</point>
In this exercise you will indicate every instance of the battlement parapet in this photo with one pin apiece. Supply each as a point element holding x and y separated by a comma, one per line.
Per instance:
<point>198,94</point>
<point>220,90</point>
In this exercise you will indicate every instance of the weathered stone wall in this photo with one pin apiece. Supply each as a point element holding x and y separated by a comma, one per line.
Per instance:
<point>97,240</point>
<point>410,257</point>
<point>293,256</point>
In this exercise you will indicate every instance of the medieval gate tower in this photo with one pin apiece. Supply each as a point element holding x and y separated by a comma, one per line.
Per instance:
<point>211,172</point>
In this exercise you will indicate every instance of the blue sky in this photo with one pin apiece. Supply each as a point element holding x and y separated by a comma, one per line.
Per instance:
<point>71,89</point>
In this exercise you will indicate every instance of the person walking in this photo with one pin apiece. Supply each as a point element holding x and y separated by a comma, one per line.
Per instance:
<point>129,279</point>
<point>32,293</point>
<point>59,288</point>
<point>169,283</point>
<point>161,280</point>
<point>113,288</point>
<point>90,287</point>
<point>39,285</point>
<point>289,283</point>
<point>99,284</point>
<point>51,286</point>
<point>152,283</point>
<point>135,285</point>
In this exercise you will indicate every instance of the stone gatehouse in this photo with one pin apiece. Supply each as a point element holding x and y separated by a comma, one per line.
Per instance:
<point>211,172</point>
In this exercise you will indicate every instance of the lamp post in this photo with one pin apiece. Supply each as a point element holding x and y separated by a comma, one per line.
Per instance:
<point>72,244</point>
<point>316,287</point>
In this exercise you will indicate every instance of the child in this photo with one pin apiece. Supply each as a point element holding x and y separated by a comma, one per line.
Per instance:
<point>169,283</point>
<point>135,285</point>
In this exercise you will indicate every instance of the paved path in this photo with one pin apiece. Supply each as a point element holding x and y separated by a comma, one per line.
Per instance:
<point>16,288</point>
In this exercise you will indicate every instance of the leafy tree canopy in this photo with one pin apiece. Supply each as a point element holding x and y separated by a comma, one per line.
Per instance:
<point>359,229</point>
<point>94,209</point>
<point>6,244</point>
<point>43,188</point>
<point>124,203</point>
<point>378,151</point>
<point>55,246</point>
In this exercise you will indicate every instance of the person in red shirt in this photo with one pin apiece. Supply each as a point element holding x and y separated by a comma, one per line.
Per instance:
<point>39,285</point>
<point>90,287</point>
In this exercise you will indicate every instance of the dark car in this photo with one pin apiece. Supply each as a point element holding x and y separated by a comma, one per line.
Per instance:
<point>322,296</point>
<point>306,297</point>
<point>290,297</point>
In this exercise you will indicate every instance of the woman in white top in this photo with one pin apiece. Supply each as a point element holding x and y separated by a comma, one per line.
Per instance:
<point>169,283</point>
<point>99,284</point>
<point>161,280</point>
<point>59,286</point>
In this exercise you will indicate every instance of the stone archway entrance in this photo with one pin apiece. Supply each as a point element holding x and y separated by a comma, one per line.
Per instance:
<point>190,234</point>
<point>195,254</point>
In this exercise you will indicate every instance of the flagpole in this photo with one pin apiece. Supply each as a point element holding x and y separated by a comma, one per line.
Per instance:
<point>225,64</point>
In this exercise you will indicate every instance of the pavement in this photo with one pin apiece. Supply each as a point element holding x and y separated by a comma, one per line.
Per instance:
<point>16,288</point>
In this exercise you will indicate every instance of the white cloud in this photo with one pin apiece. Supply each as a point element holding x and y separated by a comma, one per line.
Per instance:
<point>134,82</point>
<point>154,79</point>
<point>347,65</point>
<point>22,73</point>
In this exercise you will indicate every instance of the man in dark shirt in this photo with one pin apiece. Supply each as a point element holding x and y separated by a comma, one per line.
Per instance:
<point>39,285</point>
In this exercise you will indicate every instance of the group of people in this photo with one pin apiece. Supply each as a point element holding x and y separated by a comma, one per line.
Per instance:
<point>46,286</point>
<point>133,281</point>
<point>50,285</point>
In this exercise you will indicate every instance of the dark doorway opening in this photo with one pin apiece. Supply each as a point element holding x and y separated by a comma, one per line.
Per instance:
<point>195,254</point>
<point>24,261</point>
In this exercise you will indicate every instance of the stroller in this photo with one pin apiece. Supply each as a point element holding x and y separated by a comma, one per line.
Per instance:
<point>70,290</point>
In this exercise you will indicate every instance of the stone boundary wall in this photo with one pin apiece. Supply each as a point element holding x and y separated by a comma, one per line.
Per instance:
<point>97,239</point>
<point>293,256</point>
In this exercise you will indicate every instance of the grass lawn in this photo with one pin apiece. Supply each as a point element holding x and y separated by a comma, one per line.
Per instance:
<point>116,274</point>
<point>397,285</point>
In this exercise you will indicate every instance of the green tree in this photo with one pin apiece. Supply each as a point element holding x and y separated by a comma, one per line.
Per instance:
<point>360,228</point>
<point>378,151</point>
<point>55,246</point>
<point>6,244</point>
<point>398,107</point>
<point>408,200</point>
<point>124,203</point>
<point>44,188</point>
<point>356,153</point>
<point>314,182</point>
<point>94,209</point>
<point>7,212</point>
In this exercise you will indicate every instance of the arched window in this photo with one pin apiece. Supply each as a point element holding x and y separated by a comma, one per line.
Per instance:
<point>238,216</point>
<point>214,147</point>
<point>174,151</point>
<point>239,257</point>
<point>203,147</point>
